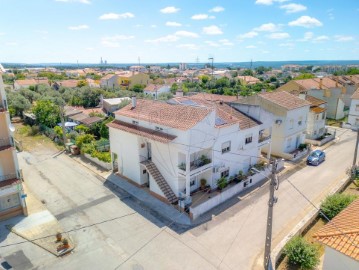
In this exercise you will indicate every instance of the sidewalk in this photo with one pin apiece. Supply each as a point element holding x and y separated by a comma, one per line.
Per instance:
<point>39,227</point>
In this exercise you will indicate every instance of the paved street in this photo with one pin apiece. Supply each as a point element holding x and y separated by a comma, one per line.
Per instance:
<point>232,240</point>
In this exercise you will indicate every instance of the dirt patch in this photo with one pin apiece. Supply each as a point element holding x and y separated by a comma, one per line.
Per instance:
<point>32,140</point>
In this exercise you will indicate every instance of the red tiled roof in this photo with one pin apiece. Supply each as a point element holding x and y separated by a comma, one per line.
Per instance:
<point>213,97</point>
<point>284,99</point>
<point>181,117</point>
<point>317,109</point>
<point>68,83</point>
<point>9,182</point>
<point>91,120</point>
<point>249,79</point>
<point>342,232</point>
<point>314,101</point>
<point>142,131</point>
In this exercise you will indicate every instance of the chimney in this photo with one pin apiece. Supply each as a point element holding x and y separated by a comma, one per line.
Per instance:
<point>320,83</point>
<point>302,96</point>
<point>134,102</point>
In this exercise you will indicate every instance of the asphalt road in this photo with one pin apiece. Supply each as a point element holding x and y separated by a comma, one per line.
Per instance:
<point>136,239</point>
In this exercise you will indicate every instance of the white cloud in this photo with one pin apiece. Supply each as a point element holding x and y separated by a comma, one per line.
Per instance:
<point>12,43</point>
<point>116,16</point>
<point>138,25</point>
<point>306,21</point>
<point>250,34</point>
<point>173,24</point>
<point>2,34</point>
<point>267,27</point>
<point>114,41</point>
<point>286,45</point>
<point>168,10</point>
<point>212,43</point>
<point>293,8</point>
<point>168,38</point>
<point>269,2</point>
<point>282,35</point>
<point>188,46</point>
<point>217,9</point>
<point>251,47</point>
<point>153,26</point>
<point>186,34</point>
<point>341,38</point>
<point>212,30</point>
<point>226,42</point>
<point>79,27</point>
<point>321,38</point>
<point>202,17</point>
<point>307,36</point>
<point>89,49</point>
<point>79,1</point>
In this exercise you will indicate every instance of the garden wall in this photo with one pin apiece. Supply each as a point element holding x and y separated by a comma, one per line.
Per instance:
<point>105,165</point>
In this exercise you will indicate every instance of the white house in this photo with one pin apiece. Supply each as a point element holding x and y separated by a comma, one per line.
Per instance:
<point>110,105</point>
<point>156,89</point>
<point>341,239</point>
<point>289,115</point>
<point>170,147</point>
<point>353,117</point>
<point>141,69</point>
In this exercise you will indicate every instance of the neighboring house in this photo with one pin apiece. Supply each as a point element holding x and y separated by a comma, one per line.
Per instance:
<point>353,117</point>
<point>12,198</point>
<point>248,80</point>
<point>19,84</point>
<point>155,69</point>
<point>65,83</point>
<point>341,239</point>
<point>156,89</point>
<point>80,115</point>
<point>111,105</point>
<point>92,83</point>
<point>109,81</point>
<point>316,117</point>
<point>138,69</point>
<point>162,145</point>
<point>127,80</point>
<point>332,90</point>
<point>289,120</point>
<point>75,73</point>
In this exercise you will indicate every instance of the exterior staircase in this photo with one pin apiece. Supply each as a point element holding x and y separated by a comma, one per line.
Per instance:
<point>161,182</point>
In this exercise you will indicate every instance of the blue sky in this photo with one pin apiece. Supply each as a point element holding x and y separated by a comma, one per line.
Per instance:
<point>120,31</point>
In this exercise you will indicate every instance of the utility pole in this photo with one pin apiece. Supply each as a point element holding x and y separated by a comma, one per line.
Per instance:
<point>271,202</point>
<point>355,156</point>
<point>211,58</point>
<point>63,125</point>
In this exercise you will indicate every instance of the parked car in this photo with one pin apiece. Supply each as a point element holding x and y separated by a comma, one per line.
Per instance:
<point>316,157</point>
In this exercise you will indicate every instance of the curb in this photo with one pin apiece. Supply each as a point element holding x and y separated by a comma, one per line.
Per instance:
<point>305,222</point>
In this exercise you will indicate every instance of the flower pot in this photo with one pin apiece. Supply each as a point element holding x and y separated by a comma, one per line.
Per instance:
<point>58,237</point>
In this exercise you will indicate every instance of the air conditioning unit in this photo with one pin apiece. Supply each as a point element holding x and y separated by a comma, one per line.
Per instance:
<point>278,121</point>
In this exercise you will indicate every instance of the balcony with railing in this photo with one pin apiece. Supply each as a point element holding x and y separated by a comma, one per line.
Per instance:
<point>6,142</point>
<point>197,165</point>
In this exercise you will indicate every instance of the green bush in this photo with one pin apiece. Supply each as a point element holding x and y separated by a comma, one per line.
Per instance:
<point>303,146</point>
<point>103,156</point>
<point>335,203</point>
<point>222,183</point>
<point>83,139</point>
<point>301,253</point>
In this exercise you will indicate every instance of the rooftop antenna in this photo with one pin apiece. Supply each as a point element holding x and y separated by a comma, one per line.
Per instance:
<point>77,63</point>
<point>251,65</point>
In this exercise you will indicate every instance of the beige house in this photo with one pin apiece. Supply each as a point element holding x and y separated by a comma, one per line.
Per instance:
<point>19,84</point>
<point>127,80</point>
<point>341,239</point>
<point>12,198</point>
<point>248,80</point>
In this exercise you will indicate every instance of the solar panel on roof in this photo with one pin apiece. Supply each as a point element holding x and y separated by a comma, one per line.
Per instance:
<point>189,102</point>
<point>219,121</point>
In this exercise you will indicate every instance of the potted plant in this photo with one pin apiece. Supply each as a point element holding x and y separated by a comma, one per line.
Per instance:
<point>58,237</point>
<point>221,183</point>
<point>240,177</point>
<point>203,183</point>
<point>182,166</point>
<point>65,243</point>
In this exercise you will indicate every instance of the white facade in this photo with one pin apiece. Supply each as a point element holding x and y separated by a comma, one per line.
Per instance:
<point>315,124</point>
<point>353,117</point>
<point>141,69</point>
<point>158,90</point>
<point>228,148</point>
<point>334,260</point>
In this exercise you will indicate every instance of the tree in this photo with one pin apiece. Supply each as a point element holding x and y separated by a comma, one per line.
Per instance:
<point>18,104</point>
<point>304,76</point>
<point>138,88</point>
<point>174,88</point>
<point>47,113</point>
<point>82,128</point>
<point>248,72</point>
<point>82,83</point>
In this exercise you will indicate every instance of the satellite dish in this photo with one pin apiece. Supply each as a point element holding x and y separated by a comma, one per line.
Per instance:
<point>12,127</point>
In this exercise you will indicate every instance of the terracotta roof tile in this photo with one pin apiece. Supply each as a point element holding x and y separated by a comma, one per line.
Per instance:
<point>342,232</point>
<point>179,116</point>
<point>317,109</point>
<point>284,99</point>
<point>213,97</point>
<point>314,101</point>
<point>142,131</point>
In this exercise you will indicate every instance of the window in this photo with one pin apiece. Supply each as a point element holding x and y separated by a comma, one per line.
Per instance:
<point>158,128</point>
<point>300,121</point>
<point>225,173</point>
<point>134,122</point>
<point>192,183</point>
<point>323,115</point>
<point>289,142</point>
<point>226,147</point>
<point>317,117</point>
<point>291,123</point>
<point>248,139</point>
<point>144,171</point>
<point>357,107</point>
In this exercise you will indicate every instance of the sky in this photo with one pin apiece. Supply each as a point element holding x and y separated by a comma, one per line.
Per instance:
<point>162,31</point>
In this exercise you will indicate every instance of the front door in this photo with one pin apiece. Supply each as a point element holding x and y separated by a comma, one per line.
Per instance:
<point>297,141</point>
<point>149,151</point>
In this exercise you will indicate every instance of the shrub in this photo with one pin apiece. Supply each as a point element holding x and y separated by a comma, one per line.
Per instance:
<point>222,183</point>
<point>335,203</point>
<point>82,128</point>
<point>301,253</point>
<point>82,139</point>
<point>302,146</point>
<point>103,156</point>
